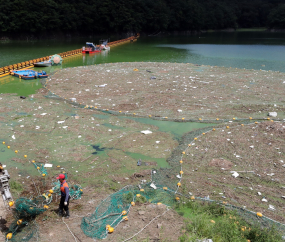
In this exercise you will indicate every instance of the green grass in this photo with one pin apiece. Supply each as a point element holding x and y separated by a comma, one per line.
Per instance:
<point>214,221</point>
<point>16,188</point>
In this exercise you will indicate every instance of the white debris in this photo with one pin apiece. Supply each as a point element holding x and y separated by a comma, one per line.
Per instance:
<point>13,137</point>
<point>79,136</point>
<point>264,200</point>
<point>272,114</point>
<point>87,90</point>
<point>153,186</point>
<point>146,132</point>
<point>178,176</point>
<point>73,99</point>
<point>179,110</point>
<point>37,127</point>
<point>157,141</point>
<point>271,174</point>
<point>43,114</point>
<point>259,193</point>
<point>101,85</point>
<point>235,174</point>
<point>251,146</point>
<point>61,122</point>
<point>48,165</point>
<point>271,207</point>
<point>64,127</point>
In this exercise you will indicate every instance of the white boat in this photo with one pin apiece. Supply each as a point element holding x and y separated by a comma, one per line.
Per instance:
<point>105,47</point>
<point>43,63</point>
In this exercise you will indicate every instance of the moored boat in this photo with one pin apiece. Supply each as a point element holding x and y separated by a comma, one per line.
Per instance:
<point>43,63</point>
<point>90,48</point>
<point>104,45</point>
<point>29,74</point>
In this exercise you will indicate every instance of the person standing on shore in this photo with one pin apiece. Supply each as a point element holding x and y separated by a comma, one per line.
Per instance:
<point>64,200</point>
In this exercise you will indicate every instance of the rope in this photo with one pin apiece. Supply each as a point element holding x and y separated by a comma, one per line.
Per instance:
<point>36,187</point>
<point>69,230</point>
<point>147,224</point>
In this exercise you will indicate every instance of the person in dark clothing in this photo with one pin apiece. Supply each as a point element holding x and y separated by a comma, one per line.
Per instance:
<point>64,200</point>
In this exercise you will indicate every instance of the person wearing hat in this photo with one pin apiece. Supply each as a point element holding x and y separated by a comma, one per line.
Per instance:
<point>64,200</point>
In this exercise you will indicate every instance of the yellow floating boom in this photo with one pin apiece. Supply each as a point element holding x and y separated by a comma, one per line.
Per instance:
<point>4,71</point>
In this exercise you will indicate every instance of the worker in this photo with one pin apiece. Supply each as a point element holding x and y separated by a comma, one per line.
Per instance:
<point>64,201</point>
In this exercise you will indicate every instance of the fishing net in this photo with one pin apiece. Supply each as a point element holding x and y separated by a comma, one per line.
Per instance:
<point>23,232</point>
<point>41,169</point>
<point>28,208</point>
<point>111,210</point>
<point>24,228</point>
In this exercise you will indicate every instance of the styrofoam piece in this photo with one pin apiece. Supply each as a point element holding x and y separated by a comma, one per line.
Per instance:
<point>146,132</point>
<point>235,174</point>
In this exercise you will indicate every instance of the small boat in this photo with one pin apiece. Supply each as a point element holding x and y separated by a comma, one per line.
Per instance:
<point>43,63</point>
<point>90,48</point>
<point>29,74</point>
<point>104,45</point>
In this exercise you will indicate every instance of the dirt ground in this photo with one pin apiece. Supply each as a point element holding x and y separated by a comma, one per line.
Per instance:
<point>173,90</point>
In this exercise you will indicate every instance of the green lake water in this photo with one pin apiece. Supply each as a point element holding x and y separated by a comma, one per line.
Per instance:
<point>250,50</point>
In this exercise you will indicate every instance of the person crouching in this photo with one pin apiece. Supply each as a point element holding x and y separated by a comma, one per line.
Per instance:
<point>64,200</point>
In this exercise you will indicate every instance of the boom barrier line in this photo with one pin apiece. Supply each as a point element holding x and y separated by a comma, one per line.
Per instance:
<point>4,71</point>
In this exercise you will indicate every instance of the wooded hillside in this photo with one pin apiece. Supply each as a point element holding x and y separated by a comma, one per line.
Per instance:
<point>150,16</point>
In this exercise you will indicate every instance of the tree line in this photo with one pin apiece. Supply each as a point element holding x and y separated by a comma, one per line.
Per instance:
<point>149,16</point>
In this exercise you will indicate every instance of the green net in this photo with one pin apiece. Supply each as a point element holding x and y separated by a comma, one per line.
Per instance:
<point>24,228</point>
<point>26,207</point>
<point>110,211</point>
<point>25,231</point>
<point>41,169</point>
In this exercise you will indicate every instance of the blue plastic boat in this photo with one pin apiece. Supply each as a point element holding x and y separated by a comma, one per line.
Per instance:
<point>29,74</point>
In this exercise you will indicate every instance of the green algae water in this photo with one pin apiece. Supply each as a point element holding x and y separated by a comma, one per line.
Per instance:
<point>250,50</point>
<point>162,163</point>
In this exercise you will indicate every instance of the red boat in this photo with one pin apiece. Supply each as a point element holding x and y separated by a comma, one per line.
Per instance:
<point>90,48</point>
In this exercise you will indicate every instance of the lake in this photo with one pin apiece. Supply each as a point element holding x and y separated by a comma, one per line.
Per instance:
<point>250,50</point>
